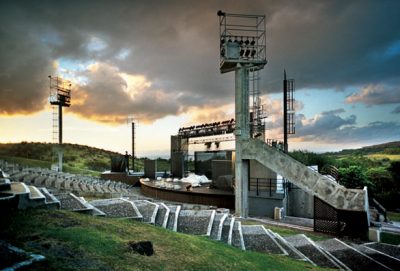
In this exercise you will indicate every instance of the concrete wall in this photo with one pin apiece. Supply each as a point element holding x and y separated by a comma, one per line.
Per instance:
<point>264,206</point>
<point>300,203</point>
<point>150,168</point>
<point>177,164</point>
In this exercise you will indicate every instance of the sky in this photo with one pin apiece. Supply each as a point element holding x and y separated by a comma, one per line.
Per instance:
<point>158,62</point>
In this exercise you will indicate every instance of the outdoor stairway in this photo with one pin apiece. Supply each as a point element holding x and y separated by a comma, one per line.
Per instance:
<point>216,224</point>
<point>305,178</point>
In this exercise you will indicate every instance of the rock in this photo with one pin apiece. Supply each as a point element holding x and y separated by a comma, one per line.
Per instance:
<point>143,247</point>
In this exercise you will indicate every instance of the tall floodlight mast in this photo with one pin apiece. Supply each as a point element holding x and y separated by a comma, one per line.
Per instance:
<point>60,96</point>
<point>288,111</point>
<point>242,50</point>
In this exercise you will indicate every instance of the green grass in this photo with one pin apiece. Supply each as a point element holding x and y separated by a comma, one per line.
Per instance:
<point>393,216</point>
<point>26,161</point>
<point>390,238</point>
<point>381,156</point>
<point>72,241</point>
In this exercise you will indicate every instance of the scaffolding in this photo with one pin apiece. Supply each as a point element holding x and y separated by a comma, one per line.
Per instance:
<point>257,110</point>
<point>60,96</point>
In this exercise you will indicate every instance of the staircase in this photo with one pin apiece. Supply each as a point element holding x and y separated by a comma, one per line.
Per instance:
<point>216,224</point>
<point>307,179</point>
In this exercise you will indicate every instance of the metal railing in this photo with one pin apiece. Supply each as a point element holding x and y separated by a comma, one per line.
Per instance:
<point>269,185</point>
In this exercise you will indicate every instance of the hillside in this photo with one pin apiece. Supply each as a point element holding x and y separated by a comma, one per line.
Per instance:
<point>77,158</point>
<point>73,241</point>
<point>390,148</point>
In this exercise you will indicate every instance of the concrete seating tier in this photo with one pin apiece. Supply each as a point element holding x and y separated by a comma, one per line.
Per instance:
<point>216,230</point>
<point>312,251</point>
<point>391,250</point>
<point>217,224</point>
<point>349,256</point>
<point>257,238</point>
<point>173,217</point>
<point>227,228</point>
<point>119,207</point>
<point>197,222</point>
<point>162,215</point>
<point>147,209</point>
<point>237,236</point>
<point>387,260</point>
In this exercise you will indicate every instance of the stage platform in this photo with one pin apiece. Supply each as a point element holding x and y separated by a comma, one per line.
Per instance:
<point>198,195</point>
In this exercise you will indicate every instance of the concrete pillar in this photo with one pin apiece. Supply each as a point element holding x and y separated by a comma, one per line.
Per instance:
<point>242,132</point>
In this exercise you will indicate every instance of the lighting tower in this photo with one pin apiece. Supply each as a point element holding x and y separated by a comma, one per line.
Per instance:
<point>242,50</point>
<point>288,110</point>
<point>60,96</point>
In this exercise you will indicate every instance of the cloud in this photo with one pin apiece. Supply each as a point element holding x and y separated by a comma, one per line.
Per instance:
<point>375,95</point>
<point>396,110</point>
<point>109,96</point>
<point>330,127</point>
<point>174,46</point>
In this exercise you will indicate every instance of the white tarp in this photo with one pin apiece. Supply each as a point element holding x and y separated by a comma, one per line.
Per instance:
<point>196,180</point>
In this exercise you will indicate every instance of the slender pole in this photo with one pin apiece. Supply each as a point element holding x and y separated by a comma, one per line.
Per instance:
<point>133,146</point>
<point>60,137</point>
<point>285,130</point>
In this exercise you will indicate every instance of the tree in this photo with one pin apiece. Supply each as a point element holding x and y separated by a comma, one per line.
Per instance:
<point>354,177</point>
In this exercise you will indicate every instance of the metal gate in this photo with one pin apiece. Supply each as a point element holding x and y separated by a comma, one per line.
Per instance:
<point>339,222</point>
<point>326,217</point>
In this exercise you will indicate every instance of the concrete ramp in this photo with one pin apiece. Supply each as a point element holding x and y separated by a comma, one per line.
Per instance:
<point>307,179</point>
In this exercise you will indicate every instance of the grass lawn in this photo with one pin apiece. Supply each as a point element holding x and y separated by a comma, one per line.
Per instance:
<point>393,216</point>
<point>72,241</point>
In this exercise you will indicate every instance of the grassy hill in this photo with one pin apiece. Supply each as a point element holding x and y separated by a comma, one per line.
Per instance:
<point>77,158</point>
<point>72,241</point>
<point>390,151</point>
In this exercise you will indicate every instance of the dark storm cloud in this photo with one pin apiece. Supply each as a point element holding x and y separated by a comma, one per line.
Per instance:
<point>332,128</point>
<point>376,95</point>
<point>174,44</point>
<point>396,110</point>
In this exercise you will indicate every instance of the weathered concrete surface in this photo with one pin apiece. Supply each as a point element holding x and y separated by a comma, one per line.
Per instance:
<point>304,177</point>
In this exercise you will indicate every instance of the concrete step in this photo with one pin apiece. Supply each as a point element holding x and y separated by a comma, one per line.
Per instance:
<point>173,217</point>
<point>29,179</point>
<point>5,184</point>
<point>72,203</point>
<point>36,197</point>
<point>162,215</point>
<point>354,259</point>
<point>118,207</point>
<point>196,222</point>
<point>388,249</point>
<point>385,259</point>
<point>289,248</point>
<point>257,238</point>
<point>237,235</point>
<point>21,192</point>
<point>19,177</point>
<point>51,201</point>
<point>147,209</point>
<point>312,251</point>
<point>227,228</point>
<point>40,181</point>
<point>216,229</point>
